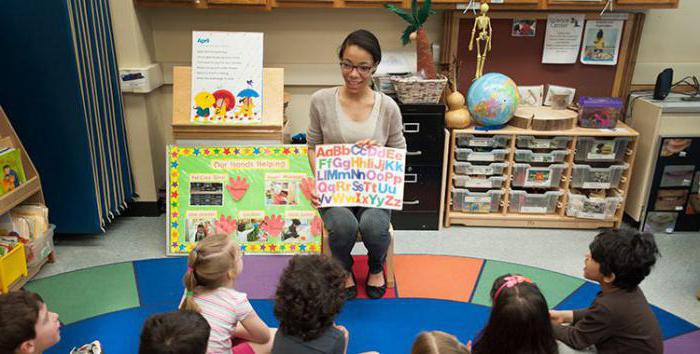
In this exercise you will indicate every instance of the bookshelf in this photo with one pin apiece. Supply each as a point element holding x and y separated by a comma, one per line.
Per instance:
<point>28,192</point>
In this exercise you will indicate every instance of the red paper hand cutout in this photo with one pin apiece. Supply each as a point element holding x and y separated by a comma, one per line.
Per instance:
<point>237,187</point>
<point>308,185</point>
<point>273,225</point>
<point>316,226</point>
<point>225,225</point>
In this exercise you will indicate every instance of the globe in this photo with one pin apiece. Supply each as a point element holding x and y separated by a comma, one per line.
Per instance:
<point>492,99</point>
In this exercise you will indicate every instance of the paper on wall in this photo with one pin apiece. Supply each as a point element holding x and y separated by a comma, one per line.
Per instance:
<point>562,40</point>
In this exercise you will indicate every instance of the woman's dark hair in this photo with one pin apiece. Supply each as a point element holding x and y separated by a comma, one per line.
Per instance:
<point>309,296</point>
<point>519,322</point>
<point>627,253</point>
<point>365,40</point>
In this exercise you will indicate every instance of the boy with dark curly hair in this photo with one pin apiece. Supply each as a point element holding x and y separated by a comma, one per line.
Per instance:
<point>309,296</point>
<point>619,320</point>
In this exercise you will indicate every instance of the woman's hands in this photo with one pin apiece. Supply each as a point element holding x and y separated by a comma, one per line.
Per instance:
<point>366,143</point>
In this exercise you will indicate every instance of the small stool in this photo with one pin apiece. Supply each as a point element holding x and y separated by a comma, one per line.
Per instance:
<point>388,263</point>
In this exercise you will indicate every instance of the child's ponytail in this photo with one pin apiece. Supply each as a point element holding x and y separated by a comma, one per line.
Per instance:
<point>190,280</point>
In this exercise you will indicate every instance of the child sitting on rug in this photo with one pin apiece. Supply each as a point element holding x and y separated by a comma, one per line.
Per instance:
<point>178,332</point>
<point>26,325</point>
<point>309,296</point>
<point>619,320</point>
<point>437,342</point>
<point>212,268</point>
<point>519,321</point>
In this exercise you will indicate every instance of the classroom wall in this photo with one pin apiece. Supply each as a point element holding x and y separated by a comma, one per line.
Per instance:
<point>304,42</point>
<point>669,40</point>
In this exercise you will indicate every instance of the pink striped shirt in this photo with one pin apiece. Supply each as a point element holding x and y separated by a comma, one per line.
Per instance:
<point>223,308</point>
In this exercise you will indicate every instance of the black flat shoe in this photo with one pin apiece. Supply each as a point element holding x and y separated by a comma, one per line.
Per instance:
<point>375,292</point>
<point>351,292</point>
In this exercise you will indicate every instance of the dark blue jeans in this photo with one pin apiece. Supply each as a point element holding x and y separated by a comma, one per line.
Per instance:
<point>343,223</point>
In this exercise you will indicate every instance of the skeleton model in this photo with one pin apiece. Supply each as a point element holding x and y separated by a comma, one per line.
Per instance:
<point>483,24</point>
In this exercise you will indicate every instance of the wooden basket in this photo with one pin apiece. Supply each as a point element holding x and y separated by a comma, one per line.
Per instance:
<point>411,90</point>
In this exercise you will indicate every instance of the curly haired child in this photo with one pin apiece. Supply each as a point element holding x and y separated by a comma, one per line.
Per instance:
<point>212,269</point>
<point>309,296</point>
<point>619,320</point>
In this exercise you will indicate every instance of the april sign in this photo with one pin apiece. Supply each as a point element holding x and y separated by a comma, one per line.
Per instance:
<point>350,175</point>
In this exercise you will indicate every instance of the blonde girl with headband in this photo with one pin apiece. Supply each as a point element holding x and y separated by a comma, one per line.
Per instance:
<point>212,269</point>
<point>437,342</point>
<point>519,321</point>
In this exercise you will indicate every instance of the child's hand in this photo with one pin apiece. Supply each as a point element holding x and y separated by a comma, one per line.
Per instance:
<point>469,346</point>
<point>561,317</point>
<point>366,143</point>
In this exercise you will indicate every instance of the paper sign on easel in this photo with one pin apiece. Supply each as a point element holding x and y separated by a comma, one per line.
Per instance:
<point>227,74</point>
<point>349,175</point>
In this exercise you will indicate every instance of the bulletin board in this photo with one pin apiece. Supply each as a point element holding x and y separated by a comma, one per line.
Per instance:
<point>520,58</point>
<point>258,195</point>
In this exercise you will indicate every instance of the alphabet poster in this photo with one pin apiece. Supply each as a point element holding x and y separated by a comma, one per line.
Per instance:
<point>349,175</point>
<point>258,195</point>
<point>227,74</point>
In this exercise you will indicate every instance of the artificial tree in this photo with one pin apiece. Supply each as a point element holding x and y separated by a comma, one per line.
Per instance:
<point>415,29</point>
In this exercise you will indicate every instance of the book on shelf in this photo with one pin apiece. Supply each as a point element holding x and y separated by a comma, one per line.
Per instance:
<point>12,170</point>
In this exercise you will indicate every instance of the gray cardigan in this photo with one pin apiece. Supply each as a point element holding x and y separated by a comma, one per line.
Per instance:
<point>324,127</point>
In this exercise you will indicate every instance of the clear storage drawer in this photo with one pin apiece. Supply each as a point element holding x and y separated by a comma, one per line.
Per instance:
<point>471,155</point>
<point>536,203</point>
<point>587,177</point>
<point>476,202</point>
<point>467,168</point>
<point>531,156</point>
<point>531,142</point>
<point>590,149</point>
<point>469,140</point>
<point>525,175</point>
<point>587,206</point>
<point>478,181</point>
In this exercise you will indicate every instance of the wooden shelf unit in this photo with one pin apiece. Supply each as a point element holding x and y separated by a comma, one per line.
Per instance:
<point>558,219</point>
<point>28,192</point>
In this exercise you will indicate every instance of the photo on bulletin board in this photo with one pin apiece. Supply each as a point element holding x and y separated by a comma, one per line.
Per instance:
<point>660,222</point>
<point>677,176</point>
<point>601,42</point>
<point>259,195</point>
<point>524,27</point>
<point>670,199</point>
<point>674,146</point>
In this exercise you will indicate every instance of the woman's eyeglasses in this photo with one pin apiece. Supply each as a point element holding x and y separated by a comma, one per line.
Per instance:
<point>362,69</point>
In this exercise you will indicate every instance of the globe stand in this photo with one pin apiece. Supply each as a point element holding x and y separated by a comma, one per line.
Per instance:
<point>489,127</point>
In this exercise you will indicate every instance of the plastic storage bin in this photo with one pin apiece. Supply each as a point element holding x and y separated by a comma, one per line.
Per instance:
<point>530,156</point>
<point>476,182</point>
<point>531,142</point>
<point>536,203</point>
<point>472,202</point>
<point>584,207</point>
<point>471,155</point>
<point>467,168</point>
<point>13,266</point>
<point>525,175</point>
<point>587,177</point>
<point>590,149</point>
<point>469,140</point>
<point>40,247</point>
<point>599,112</point>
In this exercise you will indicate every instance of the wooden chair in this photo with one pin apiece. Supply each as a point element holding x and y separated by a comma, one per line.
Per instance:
<point>388,263</point>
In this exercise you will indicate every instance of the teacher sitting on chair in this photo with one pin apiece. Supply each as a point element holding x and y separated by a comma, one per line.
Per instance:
<point>354,113</point>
